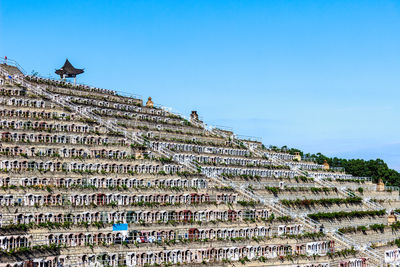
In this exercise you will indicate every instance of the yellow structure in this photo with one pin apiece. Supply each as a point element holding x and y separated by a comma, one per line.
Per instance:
<point>326,165</point>
<point>380,187</point>
<point>392,219</point>
<point>297,156</point>
<point>149,103</point>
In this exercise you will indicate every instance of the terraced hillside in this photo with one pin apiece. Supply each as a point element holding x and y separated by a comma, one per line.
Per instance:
<point>90,177</point>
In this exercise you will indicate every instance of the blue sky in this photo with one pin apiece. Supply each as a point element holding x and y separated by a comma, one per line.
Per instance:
<point>322,76</point>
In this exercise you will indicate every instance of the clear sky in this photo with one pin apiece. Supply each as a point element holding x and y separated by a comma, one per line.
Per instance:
<point>322,76</point>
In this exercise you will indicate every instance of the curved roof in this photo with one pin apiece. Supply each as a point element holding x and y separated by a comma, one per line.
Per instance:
<point>68,70</point>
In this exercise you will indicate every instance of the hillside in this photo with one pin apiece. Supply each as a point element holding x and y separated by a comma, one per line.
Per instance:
<point>91,177</point>
<point>376,169</point>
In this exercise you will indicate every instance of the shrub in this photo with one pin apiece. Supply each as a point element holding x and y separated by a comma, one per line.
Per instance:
<point>246,203</point>
<point>362,228</point>
<point>377,227</point>
<point>273,190</point>
<point>395,226</point>
<point>323,201</point>
<point>342,214</point>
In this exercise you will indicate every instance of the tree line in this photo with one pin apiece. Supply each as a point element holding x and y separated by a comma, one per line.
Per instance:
<point>357,167</point>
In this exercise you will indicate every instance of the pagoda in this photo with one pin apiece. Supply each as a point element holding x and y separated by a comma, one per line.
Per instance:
<point>68,71</point>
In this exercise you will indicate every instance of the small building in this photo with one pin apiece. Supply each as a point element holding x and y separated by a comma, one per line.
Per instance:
<point>297,156</point>
<point>326,165</point>
<point>380,187</point>
<point>68,71</point>
<point>392,219</point>
<point>149,103</point>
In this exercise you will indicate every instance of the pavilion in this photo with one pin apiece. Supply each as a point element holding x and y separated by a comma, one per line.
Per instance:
<point>68,71</point>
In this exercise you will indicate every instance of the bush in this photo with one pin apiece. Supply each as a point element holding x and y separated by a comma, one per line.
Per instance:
<point>342,214</point>
<point>246,203</point>
<point>395,226</point>
<point>323,201</point>
<point>273,190</point>
<point>362,228</point>
<point>377,227</point>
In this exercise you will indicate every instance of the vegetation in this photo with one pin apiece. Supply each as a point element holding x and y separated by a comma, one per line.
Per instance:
<point>353,229</point>
<point>397,242</point>
<point>247,203</point>
<point>395,226</point>
<point>322,201</point>
<point>363,228</point>
<point>362,168</point>
<point>343,214</point>
<point>343,253</point>
<point>165,160</point>
<point>357,167</point>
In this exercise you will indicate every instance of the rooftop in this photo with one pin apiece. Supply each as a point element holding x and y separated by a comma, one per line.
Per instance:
<point>68,71</point>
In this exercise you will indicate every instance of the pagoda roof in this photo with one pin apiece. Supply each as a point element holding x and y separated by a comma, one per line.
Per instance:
<point>68,70</point>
